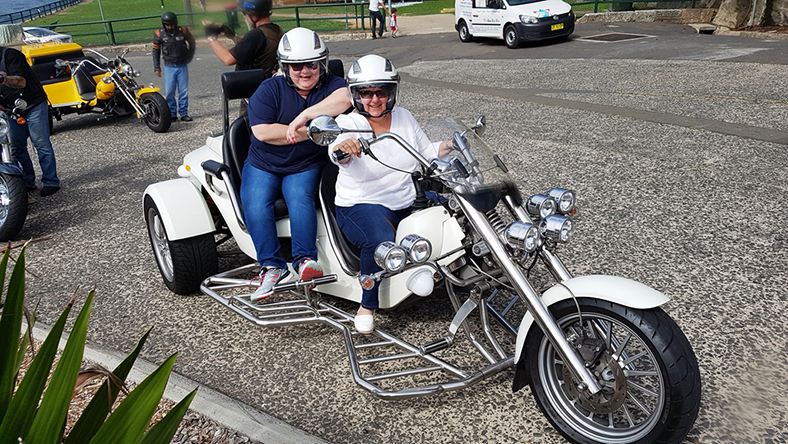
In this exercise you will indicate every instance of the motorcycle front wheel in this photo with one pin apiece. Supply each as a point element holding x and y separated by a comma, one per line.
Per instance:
<point>157,112</point>
<point>183,263</point>
<point>648,373</point>
<point>13,206</point>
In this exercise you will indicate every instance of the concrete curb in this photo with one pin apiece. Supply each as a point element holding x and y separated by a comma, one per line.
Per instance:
<point>224,410</point>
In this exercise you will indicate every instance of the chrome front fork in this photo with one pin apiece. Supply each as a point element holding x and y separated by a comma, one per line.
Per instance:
<point>539,311</point>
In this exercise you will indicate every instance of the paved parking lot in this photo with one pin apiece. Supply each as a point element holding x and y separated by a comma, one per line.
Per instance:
<point>675,143</point>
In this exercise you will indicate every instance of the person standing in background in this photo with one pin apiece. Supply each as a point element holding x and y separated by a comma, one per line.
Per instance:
<point>374,14</point>
<point>176,46</point>
<point>393,22</point>
<point>17,81</point>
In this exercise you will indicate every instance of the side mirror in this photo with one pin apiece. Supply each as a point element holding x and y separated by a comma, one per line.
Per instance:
<point>19,105</point>
<point>59,64</point>
<point>480,125</point>
<point>323,130</point>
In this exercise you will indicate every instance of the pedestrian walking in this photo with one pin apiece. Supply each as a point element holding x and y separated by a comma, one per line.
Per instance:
<point>17,81</point>
<point>375,15</point>
<point>393,22</point>
<point>176,46</point>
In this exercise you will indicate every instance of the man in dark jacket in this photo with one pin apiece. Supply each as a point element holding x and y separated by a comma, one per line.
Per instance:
<point>17,81</point>
<point>257,48</point>
<point>176,46</point>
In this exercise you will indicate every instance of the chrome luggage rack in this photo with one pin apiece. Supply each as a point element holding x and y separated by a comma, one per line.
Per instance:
<point>402,363</point>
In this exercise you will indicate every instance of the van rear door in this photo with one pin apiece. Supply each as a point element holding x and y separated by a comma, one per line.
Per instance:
<point>487,18</point>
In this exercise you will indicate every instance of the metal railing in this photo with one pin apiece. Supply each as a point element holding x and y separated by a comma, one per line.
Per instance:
<point>626,5</point>
<point>33,13</point>
<point>337,16</point>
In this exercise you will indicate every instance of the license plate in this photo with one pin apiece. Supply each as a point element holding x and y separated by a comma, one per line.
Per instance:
<point>557,26</point>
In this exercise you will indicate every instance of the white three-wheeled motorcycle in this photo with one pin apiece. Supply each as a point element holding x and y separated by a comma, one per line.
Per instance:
<point>604,362</point>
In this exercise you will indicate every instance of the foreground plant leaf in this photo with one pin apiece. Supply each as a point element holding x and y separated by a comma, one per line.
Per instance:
<point>10,327</point>
<point>163,431</point>
<point>127,424</point>
<point>47,427</point>
<point>94,414</point>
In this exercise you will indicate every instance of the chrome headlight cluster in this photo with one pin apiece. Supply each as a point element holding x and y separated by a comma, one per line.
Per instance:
<point>3,127</point>
<point>555,201</point>
<point>393,258</point>
<point>529,19</point>
<point>556,228</point>
<point>522,236</point>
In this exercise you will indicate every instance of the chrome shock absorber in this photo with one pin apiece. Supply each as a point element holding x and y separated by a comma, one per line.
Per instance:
<point>496,222</point>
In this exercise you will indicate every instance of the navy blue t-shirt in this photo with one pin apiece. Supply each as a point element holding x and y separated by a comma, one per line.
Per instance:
<point>277,102</point>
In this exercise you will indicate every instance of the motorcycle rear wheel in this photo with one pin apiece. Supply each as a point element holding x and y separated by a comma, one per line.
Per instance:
<point>157,112</point>
<point>13,206</point>
<point>649,375</point>
<point>183,263</point>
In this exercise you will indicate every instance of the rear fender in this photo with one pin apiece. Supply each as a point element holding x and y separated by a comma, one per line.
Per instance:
<point>182,207</point>
<point>146,90</point>
<point>614,289</point>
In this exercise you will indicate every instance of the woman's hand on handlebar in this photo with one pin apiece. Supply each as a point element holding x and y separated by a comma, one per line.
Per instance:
<point>351,147</point>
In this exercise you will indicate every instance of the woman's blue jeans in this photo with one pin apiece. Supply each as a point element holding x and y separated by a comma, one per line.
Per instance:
<point>366,226</point>
<point>177,77</point>
<point>259,190</point>
<point>36,127</point>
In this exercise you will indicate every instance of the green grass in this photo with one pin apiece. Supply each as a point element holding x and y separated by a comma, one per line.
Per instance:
<point>146,15</point>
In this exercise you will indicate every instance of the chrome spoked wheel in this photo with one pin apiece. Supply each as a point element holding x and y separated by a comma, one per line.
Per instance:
<point>160,244</point>
<point>642,361</point>
<point>13,205</point>
<point>633,394</point>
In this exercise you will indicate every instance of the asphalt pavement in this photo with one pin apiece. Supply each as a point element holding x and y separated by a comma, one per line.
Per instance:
<point>674,141</point>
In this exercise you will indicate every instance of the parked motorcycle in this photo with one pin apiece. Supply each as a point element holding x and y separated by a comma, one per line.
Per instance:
<point>105,86</point>
<point>604,362</point>
<point>13,192</point>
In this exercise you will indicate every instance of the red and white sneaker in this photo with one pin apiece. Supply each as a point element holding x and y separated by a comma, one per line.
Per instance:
<point>309,269</point>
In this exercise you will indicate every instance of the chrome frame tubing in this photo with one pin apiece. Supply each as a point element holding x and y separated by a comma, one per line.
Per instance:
<point>417,155</point>
<point>6,150</point>
<point>534,303</point>
<point>120,84</point>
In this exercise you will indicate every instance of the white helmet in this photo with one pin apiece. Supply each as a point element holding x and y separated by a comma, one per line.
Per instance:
<point>372,71</point>
<point>300,45</point>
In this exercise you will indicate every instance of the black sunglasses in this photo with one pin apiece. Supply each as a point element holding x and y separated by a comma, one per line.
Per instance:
<point>380,93</point>
<point>308,65</point>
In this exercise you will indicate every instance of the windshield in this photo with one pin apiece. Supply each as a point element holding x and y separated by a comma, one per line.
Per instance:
<point>521,2</point>
<point>476,173</point>
<point>40,32</point>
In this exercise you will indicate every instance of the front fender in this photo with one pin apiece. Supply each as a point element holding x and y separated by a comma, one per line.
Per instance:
<point>10,168</point>
<point>614,289</point>
<point>147,89</point>
<point>182,207</point>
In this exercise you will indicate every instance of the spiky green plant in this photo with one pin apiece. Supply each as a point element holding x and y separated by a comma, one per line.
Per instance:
<point>36,412</point>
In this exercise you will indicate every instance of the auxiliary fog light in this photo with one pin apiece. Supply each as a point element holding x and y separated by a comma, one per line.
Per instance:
<point>366,281</point>
<point>540,206</point>
<point>418,248</point>
<point>421,283</point>
<point>564,199</point>
<point>390,256</point>
<point>523,236</point>
<point>556,228</point>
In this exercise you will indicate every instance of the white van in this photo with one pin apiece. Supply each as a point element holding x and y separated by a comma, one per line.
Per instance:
<point>514,21</point>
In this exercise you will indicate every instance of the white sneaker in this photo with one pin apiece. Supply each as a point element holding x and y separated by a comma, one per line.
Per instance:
<point>269,277</point>
<point>364,324</point>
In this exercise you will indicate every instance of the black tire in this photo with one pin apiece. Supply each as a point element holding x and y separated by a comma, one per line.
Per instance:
<point>184,263</point>
<point>511,37</point>
<point>652,362</point>
<point>157,112</point>
<point>464,32</point>
<point>13,206</point>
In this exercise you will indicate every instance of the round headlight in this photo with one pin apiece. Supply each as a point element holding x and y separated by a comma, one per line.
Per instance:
<point>523,236</point>
<point>528,19</point>
<point>540,206</point>
<point>390,256</point>
<point>418,248</point>
<point>556,228</point>
<point>3,127</point>
<point>564,199</point>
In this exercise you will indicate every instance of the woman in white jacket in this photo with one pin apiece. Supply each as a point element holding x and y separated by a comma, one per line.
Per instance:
<point>371,198</point>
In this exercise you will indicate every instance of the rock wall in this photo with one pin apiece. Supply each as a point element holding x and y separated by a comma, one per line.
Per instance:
<point>752,13</point>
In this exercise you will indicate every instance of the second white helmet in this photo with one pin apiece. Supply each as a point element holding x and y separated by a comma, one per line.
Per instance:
<point>372,71</point>
<point>301,45</point>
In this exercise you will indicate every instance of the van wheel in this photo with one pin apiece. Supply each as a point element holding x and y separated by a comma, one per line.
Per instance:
<point>465,33</point>
<point>511,37</point>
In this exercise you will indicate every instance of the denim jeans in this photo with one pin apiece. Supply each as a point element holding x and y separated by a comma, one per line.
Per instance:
<point>36,127</point>
<point>177,77</point>
<point>259,190</point>
<point>366,226</point>
<point>373,15</point>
